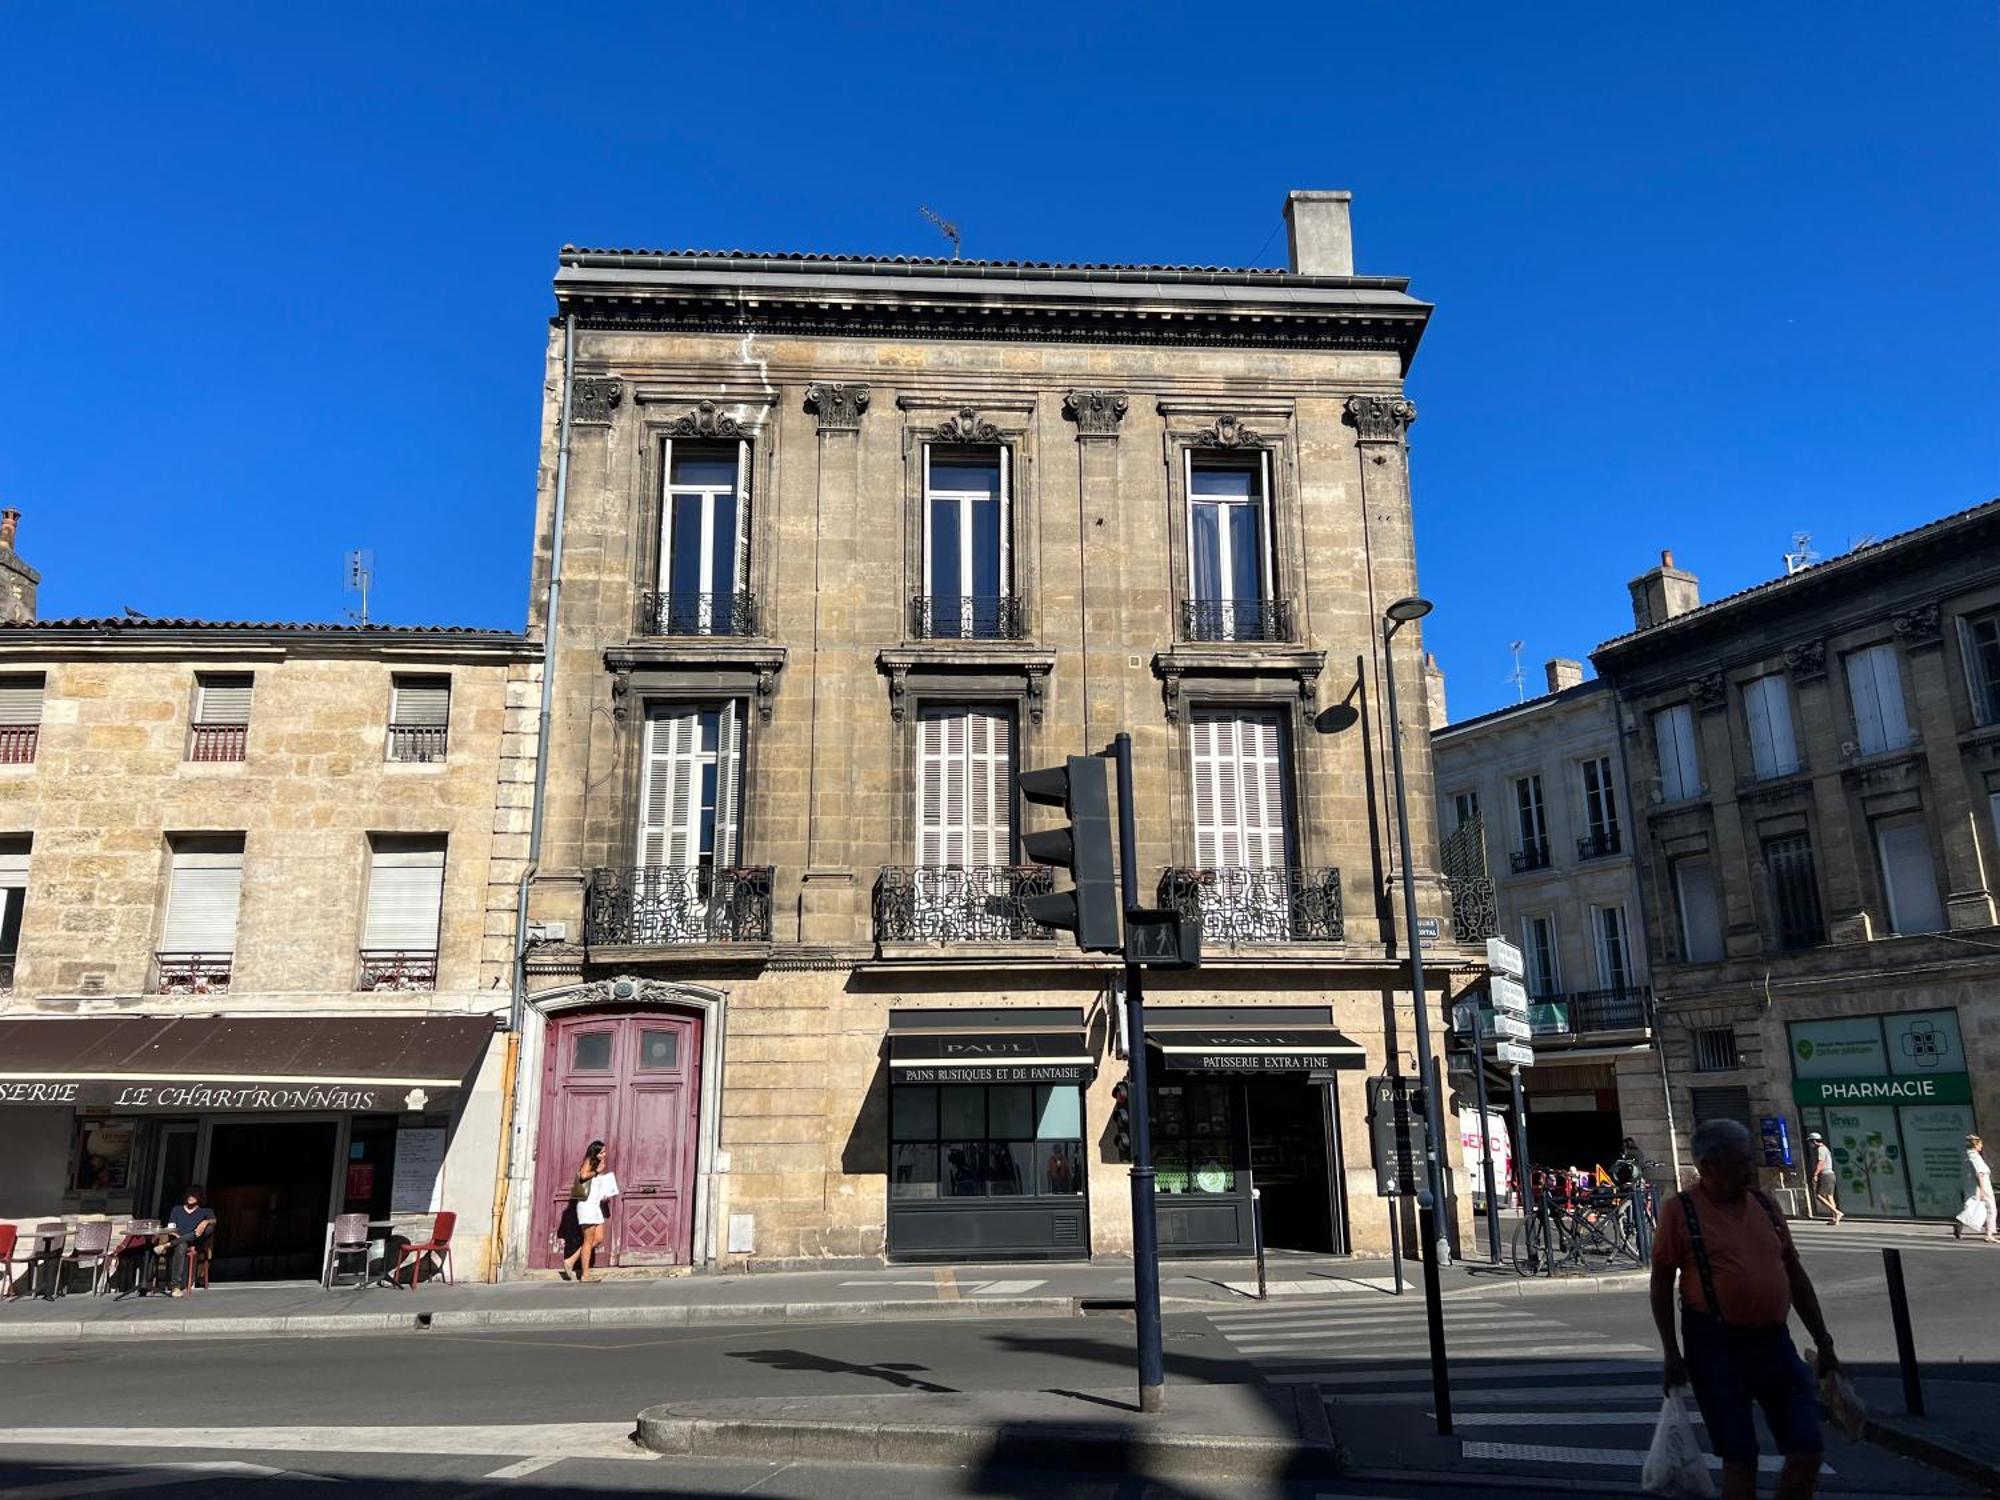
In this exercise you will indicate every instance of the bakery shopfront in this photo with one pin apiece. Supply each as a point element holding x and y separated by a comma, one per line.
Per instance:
<point>286,1122</point>
<point>1243,1098</point>
<point>986,1134</point>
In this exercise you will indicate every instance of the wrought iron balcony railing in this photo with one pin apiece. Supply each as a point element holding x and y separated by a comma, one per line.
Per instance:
<point>1235,904</point>
<point>17,743</point>
<point>1475,914</point>
<point>664,905</point>
<point>218,742</point>
<point>418,744</point>
<point>1627,1007</point>
<point>1534,857</point>
<point>960,904</point>
<point>1598,845</point>
<point>945,617</point>
<point>398,969</point>
<point>697,614</point>
<point>1236,619</point>
<point>192,973</point>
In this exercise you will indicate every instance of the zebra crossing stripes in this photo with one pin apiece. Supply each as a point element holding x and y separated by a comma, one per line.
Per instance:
<point>1812,1239</point>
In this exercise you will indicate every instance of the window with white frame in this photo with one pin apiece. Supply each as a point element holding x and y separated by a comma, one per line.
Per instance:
<point>20,717</point>
<point>14,851</point>
<point>1767,717</point>
<point>1600,808</point>
<point>702,539</point>
<point>1229,548</point>
<point>968,563</point>
<point>1538,948</point>
<point>1979,650</point>
<point>1700,909</point>
<point>1875,687</point>
<point>220,730</point>
<point>1531,824</point>
<point>399,934</point>
<point>1680,761</point>
<point>419,718</point>
<point>1909,877</point>
<point>1614,955</point>
<point>198,934</point>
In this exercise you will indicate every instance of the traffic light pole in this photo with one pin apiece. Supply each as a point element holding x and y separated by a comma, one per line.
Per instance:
<point>1145,1228</point>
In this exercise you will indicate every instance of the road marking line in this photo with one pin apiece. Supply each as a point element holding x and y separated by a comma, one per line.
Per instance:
<point>1538,1453</point>
<point>1633,1418</point>
<point>149,1476</point>
<point>1644,1398</point>
<point>527,1466</point>
<point>1360,1335</point>
<point>1417,1371</point>
<point>567,1439</point>
<point>1005,1288</point>
<point>1385,1324</point>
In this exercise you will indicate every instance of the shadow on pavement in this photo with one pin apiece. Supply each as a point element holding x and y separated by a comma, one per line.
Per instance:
<point>799,1362</point>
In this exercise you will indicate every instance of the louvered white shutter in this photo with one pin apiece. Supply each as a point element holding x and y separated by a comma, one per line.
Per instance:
<point>952,817</point>
<point>930,788</point>
<point>421,702</point>
<point>201,903</point>
<point>728,786</point>
<point>1263,782</point>
<point>667,835</point>
<point>1267,535</point>
<point>1239,792</point>
<point>965,806</point>
<point>20,700</point>
<point>223,700</point>
<point>405,890</point>
<point>989,832</point>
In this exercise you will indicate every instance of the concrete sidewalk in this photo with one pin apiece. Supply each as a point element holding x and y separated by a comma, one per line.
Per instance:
<point>1957,1432</point>
<point>901,1292</point>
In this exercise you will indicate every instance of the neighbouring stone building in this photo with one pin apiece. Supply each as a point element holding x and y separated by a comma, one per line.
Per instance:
<point>259,886</point>
<point>1815,767</point>
<point>844,542</point>
<point>1539,788</point>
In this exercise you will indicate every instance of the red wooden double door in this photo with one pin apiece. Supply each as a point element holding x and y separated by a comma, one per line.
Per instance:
<point>631,1079</point>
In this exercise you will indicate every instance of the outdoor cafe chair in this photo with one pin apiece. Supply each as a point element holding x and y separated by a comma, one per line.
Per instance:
<point>350,1237</point>
<point>437,1248</point>
<point>45,1261</point>
<point>92,1252</point>
<point>9,1234</point>
<point>134,1266</point>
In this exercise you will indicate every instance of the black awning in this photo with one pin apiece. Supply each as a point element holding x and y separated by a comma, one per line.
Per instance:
<point>1046,1045</point>
<point>1256,1049</point>
<point>203,1064</point>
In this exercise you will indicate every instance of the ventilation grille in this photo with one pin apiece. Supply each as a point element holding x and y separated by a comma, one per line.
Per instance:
<point>1066,1229</point>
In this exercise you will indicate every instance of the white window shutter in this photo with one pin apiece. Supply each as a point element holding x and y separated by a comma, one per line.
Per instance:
<point>1768,717</point>
<point>741,583</point>
<point>1207,792</point>
<point>405,893</point>
<point>989,777</point>
<point>930,542</point>
<point>421,702</point>
<point>1267,536</point>
<point>1006,522</point>
<point>930,786</point>
<point>1984,710</point>
<point>223,700</point>
<point>729,786</point>
<point>666,513</point>
<point>1240,800</point>
<point>1701,921</point>
<point>1784,743</point>
<point>1863,694</point>
<point>673,740</point>
<point>1264,822</point>
<point>202,900</point>
<point>20,701</point>
<point>953,851</point>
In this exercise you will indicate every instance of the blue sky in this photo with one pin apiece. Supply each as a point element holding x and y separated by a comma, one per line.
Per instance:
<point>276,280</point>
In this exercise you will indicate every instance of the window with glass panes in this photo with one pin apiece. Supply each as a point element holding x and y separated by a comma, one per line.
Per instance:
<point>1229,561</point>
<point>986,1140</point>
<point>1600,805</point>
<point>701,548</point>
<point>1194,1136</point>
<point>1979,648</point>
<point>1531,820</point>
<point>1794,884</point>
<point>966,545</point>
<point>1538,947</point>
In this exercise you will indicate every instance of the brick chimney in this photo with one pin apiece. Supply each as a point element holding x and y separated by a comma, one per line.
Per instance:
<point>1320,233</point>
<point>1434,692</point>
<point>1666,591</point>
<point>1563,673</point>
<point>18,581</point>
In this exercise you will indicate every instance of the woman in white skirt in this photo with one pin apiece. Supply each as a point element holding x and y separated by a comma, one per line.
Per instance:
<point>1981,1176</point>
<point>599,1186</point>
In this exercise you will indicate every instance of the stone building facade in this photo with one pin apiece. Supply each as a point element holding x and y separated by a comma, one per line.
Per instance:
<point>1540,786</point>
<point>1815,764</point>
<point>258,924</point>
<point>844,544</point>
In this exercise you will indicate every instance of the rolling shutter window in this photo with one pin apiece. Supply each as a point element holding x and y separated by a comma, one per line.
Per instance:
<point>223,700</point>
<point>1240,812</point>
<point>1725,1102</point>
<point>405,891</point>
<point>420,702</point>
<point>1876,688</point>
<point>202,897</point>
<point>20,701</point>
<point>965,803</point>
<point>1767,712</point>
<point>1680,767</point>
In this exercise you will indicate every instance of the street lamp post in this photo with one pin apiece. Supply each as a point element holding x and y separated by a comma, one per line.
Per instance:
<point>1431,1201</point>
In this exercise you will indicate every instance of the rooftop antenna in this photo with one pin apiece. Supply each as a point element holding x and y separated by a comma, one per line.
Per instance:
<point>945,227</point>
<point>1517,676</point>
<point>1802,555</point>
<point>360,578</point>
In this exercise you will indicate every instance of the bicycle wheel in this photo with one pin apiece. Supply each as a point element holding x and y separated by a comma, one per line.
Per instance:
<point>1531,1245</point>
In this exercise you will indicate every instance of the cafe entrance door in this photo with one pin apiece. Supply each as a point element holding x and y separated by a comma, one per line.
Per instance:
<point>269,1182</point>
<point>1291,1162</point>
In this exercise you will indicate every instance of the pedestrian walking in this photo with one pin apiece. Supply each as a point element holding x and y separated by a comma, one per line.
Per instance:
<point>590,1197</point>
<point>1823,1180</point>
<point>1980,1213</point>
<point>1740,1278</point>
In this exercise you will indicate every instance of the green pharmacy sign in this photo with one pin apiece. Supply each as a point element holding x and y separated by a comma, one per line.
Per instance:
<point>1943,1088</point>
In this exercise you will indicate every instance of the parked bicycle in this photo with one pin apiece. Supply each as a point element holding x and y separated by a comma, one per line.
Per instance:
<point>1568,1228</point>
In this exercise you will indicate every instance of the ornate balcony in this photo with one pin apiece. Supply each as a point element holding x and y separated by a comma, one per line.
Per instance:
<point>1245,905</point>
<point>1475,914</point>
<point>192,973</point>
<point>398,969</point>
<point>952,904</point>
<point>17,743</point>
<point>948,617</point>
<point>1534,857</point>
<point>1236,619</point>
<point>1598,845</point>
<point>1627,1007</point>
<point>209,743</point>
<point>664,905</point>
<point>697,614</point>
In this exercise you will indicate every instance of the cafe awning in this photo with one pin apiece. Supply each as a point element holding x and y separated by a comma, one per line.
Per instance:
<point>1044,1044</point>
<point>247,1065</point>
<point>1244,1039</point>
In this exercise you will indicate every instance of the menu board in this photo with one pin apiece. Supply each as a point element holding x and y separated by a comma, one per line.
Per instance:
<point>419,1160</point>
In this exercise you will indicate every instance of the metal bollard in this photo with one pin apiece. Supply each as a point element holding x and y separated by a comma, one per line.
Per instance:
<point>1257,1235</point>
<point>1906,1343</point>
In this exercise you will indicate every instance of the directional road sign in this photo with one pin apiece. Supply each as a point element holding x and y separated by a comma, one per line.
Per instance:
<point>1504,1024</point>
<point>1504,958</point>
<point>1515,1053</point>
<point>1508,994</point>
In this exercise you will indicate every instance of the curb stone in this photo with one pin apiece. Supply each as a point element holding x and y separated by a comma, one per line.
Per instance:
<point>1935,1452</point>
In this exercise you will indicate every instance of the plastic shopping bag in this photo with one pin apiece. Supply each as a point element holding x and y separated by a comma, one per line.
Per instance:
<point>1675,1464</point>
<point>1973,1215</point>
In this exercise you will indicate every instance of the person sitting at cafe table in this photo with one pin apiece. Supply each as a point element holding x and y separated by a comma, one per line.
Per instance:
<point>188,1232</point>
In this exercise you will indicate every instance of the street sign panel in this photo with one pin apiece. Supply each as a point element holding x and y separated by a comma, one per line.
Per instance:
<point>1508,994</point>
<point>1514,1053</point>
<point>1512,1026</point>
<point>1427,929</point>
<point>1504,958</point>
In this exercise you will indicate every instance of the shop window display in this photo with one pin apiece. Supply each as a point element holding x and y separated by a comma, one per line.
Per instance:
<point>970,1140</point>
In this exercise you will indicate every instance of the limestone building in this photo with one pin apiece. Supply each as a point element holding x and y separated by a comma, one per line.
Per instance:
<point>258,922</point>
<point>844,543</point>
<point>1815,770</point>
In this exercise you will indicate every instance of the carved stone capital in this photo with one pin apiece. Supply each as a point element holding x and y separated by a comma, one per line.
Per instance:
<point>706,421</point>
<point>1919,625</point>
<point>1096,413</point>
<point>1806,659</point>
<point>1380,419</point>
<point>966,426</point>
<point>1228,432</point>
<point>1038,686</point>
<point>1706,691</point>
<point>594,397</point>
<point>838,407</point>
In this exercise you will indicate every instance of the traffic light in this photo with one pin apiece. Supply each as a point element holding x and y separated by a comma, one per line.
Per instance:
<point>1091,910</point>
<point>1121,1120</point>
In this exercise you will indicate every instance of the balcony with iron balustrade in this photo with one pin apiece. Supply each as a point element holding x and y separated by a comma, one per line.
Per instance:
<point>656,910</point>
<point>1258,906</point>
<point>972,906</point>
<point>950,617</point>
<point>1599,845</point>
<point>397,969</point>
<point>1533,857</point>
<point>1591,1015</point>
<point>192,973</point>
<point>697,614</point>
<point>1254,620</point>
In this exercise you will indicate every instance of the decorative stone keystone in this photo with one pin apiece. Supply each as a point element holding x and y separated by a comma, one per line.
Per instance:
<point>966,427</point>
<point>593,398</point>
<point>838,407</point>
<point>705,421</point>
<point>1096,413</point>
<point>1380,419</point>
<point>1706,690</point>
<point>1228,432</point>
<point>1918,625</point>
<point>1806,659</point>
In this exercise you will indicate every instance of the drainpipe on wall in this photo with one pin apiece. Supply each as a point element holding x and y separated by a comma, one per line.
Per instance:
<point>510,1072</point>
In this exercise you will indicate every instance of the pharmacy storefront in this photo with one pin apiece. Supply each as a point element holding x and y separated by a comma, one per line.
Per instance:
<point>1893,1097</point>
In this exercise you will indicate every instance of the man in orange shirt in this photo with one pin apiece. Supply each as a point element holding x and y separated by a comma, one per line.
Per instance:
<point>1740,1278</point>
